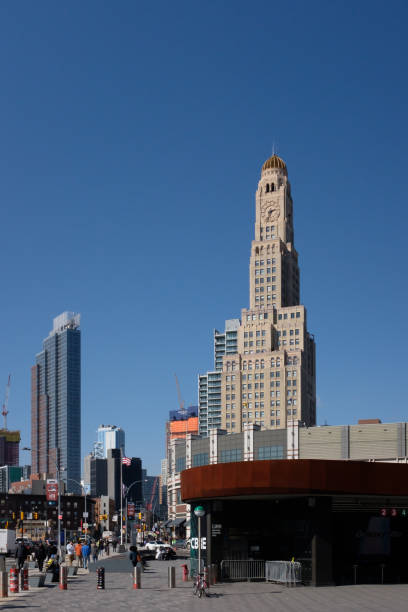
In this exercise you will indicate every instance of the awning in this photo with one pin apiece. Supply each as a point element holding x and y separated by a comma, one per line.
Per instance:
<point>166,523</point>
<point>176,523</point>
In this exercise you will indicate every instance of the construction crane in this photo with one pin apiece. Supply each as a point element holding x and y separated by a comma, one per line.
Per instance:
<point>6,399</point>
<point>181,401</point>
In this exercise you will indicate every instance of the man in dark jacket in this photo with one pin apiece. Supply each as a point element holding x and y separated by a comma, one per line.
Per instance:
<point>40,555</point>
<point>21,555</point>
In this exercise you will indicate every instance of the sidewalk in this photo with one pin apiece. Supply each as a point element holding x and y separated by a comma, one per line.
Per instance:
<point>239,597</point>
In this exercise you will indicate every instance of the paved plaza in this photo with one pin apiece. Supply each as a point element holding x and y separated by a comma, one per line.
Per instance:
<point>238,597</point>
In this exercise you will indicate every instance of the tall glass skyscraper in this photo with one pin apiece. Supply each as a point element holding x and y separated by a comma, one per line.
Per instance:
<point>109,436</point>
<point>56,402</point>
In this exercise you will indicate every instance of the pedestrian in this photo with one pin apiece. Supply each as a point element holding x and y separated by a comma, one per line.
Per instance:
<point>40,555</point>
<point>133,555</point>
<point>107,547</point>
<point>21,555</point>
<point>114,543</point>
<point>86,551</point>
<point>94,552</point>
<point>101,547</point>
<point>78,553</point>
<point>70,553</point>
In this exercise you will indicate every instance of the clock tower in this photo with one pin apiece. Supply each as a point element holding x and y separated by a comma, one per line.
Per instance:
<point>271,381</point>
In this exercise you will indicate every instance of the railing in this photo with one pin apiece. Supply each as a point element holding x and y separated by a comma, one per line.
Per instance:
<point>284,572</point>
<point>242,569</point>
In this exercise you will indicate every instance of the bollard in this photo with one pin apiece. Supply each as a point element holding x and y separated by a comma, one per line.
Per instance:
<point>24,578</point>
<point>3,584</point>
<point>101,578</point>
<point>172,577</point>
<point>13,580</point>
<point>185,572</point>
<point>214,571</point>
<point>63,578</point>
<point>137,577</point>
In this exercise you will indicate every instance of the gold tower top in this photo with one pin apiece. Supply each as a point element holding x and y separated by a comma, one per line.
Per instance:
<point>274,162</point>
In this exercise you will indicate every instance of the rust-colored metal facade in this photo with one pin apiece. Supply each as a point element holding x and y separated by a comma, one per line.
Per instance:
<point>294,477</point>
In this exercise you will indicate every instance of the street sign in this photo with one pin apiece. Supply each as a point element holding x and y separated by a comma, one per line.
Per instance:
<point>85,525</point>
<point>60,517</point>
<point>115,518</point>
<point>85,514</point>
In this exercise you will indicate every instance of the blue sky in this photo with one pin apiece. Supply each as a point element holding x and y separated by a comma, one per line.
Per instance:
<point>132,137</point>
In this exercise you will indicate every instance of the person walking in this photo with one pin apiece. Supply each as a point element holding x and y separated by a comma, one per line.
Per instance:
<point>114,544</point>
<point>133,556</point>
<point>101,547</point>
<point>86,551</point>
<point>70,553</point>
<point>21,555</point>
<point>78,553</point>
<point>107,547</point>
<point>94,552</point>
<point>40,555</point>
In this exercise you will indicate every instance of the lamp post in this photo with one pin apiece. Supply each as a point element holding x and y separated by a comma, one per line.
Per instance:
<point>126,494</point>
<point>58,471</point>
<point>199,512</point>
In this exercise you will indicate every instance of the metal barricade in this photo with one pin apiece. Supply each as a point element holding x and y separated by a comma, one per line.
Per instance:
<point>242,569</point>
<point>284,572</point>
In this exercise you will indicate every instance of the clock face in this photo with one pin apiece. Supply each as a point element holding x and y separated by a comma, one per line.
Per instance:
<point>270,211</point>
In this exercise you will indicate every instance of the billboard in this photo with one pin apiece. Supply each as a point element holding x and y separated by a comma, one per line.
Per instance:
<point>51,489</point>
<point>131,510</point>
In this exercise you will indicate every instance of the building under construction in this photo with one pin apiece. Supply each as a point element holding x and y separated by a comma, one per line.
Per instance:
<point>9,447</point>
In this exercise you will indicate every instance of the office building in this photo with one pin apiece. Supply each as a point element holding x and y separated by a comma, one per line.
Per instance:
<point>96,476</point>
<point>9,474</point>
<point>133,481</point>
<point>270,379</point>
<point>56,402</point>
<point>108,437</point>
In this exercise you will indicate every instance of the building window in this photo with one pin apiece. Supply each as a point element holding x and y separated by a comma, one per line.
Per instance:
<point>270,452</point>
<point>180,464</point>
<point>200,459</point>
<point>229,455</point>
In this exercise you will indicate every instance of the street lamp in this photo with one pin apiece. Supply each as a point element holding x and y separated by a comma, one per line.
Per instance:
<point>199,512</point>
<point>121,516</point>
<point>58,470</point>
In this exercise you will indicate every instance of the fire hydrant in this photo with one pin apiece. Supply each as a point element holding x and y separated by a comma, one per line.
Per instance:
<point>185,573</point>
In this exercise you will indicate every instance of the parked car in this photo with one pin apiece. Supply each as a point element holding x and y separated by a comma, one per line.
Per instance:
<point>154,545</point>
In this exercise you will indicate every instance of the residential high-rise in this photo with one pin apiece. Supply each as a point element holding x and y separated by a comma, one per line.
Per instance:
<point>9,447</point>
<point>270,380</point>
<point>56,403</point>
<point>109,436</point>
<point>209,384</point>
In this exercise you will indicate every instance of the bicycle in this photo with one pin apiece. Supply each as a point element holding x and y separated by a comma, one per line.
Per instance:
<point>200,586</point>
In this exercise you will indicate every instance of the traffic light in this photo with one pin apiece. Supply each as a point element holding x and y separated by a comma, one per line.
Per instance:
<point>140,516</point>
<point>35,515</point>
<point>14,515</point>
<point>22,516</point>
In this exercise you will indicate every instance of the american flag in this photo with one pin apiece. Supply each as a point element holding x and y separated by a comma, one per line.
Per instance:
<point>126,461</point>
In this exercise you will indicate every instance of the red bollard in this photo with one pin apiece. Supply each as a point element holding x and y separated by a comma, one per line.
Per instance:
<point>63,578</point>
<point>185,573</point>
<point>137,577</point>
<point>24,578</point>
<point>13,580</point>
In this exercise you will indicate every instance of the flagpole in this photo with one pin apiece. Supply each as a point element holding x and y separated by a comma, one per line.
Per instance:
<point>121,497</point>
